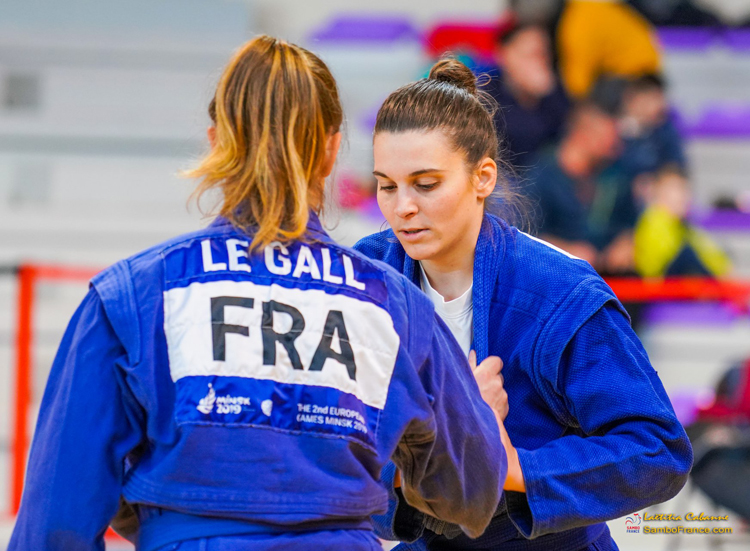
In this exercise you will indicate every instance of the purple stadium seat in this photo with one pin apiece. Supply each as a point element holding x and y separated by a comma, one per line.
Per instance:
<point>367,29</point>
<point>729,121</point>
<point>738,39</point>
<point>724,221</point>
<point>367,121</point>
<point>690,313</point>
<point>686,38</point>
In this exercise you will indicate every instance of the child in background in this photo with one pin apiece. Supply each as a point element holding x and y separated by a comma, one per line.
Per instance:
<point>665,243</point>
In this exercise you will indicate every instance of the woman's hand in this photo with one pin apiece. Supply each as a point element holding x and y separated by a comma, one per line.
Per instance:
<point>490,382</point>
<point>514,481</point>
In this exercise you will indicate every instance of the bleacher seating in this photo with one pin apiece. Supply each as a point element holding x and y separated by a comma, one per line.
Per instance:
<point>370,57</point>
<point>103,105</point>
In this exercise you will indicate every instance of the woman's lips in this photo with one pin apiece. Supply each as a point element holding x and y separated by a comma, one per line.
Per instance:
<point>412,235</point>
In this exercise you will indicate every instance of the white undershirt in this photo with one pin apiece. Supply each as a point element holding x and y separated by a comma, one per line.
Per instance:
<point>458,314</point>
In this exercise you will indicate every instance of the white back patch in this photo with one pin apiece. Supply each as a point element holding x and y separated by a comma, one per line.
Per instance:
<point>216,328</point>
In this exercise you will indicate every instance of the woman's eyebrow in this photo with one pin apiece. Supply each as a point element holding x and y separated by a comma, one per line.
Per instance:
<point>412,175</point>
<point>424,171</point>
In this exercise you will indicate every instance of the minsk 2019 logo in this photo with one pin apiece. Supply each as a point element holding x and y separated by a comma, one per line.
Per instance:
<point>633,524</point>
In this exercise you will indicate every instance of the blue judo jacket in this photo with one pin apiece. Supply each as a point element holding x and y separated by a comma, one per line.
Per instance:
<point>597,437</point>
<point>232,393</point>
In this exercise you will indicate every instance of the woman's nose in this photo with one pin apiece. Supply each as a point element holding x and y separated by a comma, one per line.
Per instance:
<point>405,204</point>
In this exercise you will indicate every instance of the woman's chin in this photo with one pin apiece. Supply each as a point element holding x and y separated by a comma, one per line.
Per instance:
<point>418,251</point>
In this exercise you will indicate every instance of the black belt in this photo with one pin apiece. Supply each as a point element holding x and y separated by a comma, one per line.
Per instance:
<point>503,535</point>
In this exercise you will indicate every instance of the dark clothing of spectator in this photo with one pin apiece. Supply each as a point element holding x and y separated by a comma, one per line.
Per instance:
<point>721,441</point>
<point>594,210</point>
<point>649,152</point>
<point>524,131</point>
<point>724,475</point>
<point>687,263</point>
<point>680,13</point>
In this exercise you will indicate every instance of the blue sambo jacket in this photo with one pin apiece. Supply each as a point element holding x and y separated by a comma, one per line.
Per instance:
<point>596,435</point>
<point>227,393</point>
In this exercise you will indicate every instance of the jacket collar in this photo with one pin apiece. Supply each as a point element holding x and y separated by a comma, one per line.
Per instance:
<point>314,226</point>
<point>488,259</point>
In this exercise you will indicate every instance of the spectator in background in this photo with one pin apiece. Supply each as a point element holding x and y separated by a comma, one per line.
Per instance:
<point>603,37</point>
<point>675,12</point>
<point>538,12</point>
<point>734,13</point>
<point>533,105</point>
<point>665,243</point>
<point>583,204</point>
<point>721,441</point>
<point>650,138</point>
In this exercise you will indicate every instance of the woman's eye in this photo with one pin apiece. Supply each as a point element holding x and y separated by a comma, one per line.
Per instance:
<point>386,187</point>
<point>427,187</point>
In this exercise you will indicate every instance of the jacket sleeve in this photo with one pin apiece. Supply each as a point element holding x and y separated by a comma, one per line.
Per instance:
<point>87,425</point>
<point>453,467</point>
<point>401,522</point>
<point>625,449</point>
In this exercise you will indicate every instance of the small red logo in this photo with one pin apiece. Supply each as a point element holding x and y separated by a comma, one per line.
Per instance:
<point>633,524</point>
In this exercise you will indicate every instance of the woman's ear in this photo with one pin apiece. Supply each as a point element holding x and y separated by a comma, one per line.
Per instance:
<point>211,133</point>
<point>332,149</point>
<point>485,177</point>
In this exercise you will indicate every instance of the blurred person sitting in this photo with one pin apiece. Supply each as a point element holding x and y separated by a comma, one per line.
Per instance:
<point>665,243</point>
<point>650,138</point>
<point>533,104</point>
<point>583,204</point>
<point>600,37</point>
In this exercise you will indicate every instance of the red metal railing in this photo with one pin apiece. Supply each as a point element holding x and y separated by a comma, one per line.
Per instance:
<point>28,275</point>
<point>688,288</point>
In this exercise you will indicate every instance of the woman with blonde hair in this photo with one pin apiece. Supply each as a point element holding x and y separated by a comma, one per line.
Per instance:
<point>243,385</point>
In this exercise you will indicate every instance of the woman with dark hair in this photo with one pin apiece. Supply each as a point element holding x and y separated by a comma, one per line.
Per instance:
<point>592,434</point>
<point>242,386</point>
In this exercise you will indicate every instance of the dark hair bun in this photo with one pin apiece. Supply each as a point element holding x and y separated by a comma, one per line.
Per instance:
<point>456,73</point>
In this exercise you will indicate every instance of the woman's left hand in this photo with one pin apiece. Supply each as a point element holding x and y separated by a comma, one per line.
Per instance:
<point>514,481</point>
<point>490,382</point>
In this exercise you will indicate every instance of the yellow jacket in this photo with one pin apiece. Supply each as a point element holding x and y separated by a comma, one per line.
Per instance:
<point>659,238</point>
<point>601,37</point>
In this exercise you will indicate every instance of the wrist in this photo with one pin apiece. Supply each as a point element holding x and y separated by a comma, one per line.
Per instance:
<point>514,482</point>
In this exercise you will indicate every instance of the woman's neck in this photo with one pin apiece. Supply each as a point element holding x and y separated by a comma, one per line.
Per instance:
<point>451,280</point>
<point>451,272</point>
